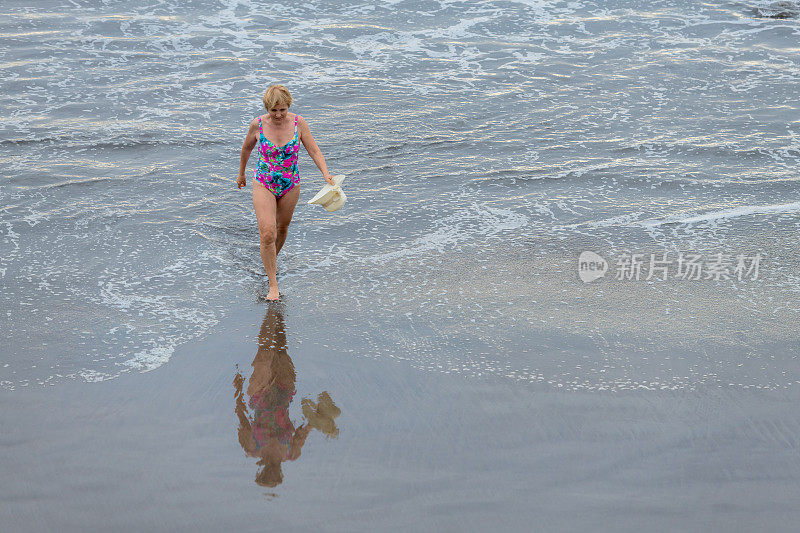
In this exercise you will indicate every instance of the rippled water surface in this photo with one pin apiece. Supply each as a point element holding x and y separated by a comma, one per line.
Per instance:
<point>486,145</point>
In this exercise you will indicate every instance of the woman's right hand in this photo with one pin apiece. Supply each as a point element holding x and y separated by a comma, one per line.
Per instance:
<point>241,181</point>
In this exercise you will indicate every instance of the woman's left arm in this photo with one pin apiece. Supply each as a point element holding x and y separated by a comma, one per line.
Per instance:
<point>313,150</point>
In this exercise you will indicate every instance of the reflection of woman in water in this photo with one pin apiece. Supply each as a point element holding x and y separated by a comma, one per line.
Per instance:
<point>269,433</point>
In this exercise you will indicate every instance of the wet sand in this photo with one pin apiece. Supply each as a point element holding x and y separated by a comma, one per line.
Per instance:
<point>415,449</point>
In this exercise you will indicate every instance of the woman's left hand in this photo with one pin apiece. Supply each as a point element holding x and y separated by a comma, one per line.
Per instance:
<point>329,179</point>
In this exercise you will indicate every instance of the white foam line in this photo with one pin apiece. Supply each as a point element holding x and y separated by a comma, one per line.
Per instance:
<point>621,220</point>
<point>458,228</point>
<point>725,213</point>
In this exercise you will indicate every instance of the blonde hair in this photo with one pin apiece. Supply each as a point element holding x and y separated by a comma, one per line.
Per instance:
<point>276,94</point>
<point>271,475</point>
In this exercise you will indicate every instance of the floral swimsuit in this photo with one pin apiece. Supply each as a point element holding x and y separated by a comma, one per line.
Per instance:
<point>277,166</point>
<point>271,416</point>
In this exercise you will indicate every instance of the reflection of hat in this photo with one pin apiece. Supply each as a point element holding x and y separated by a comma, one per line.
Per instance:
<point>331,197</point>
<point>321,414</point>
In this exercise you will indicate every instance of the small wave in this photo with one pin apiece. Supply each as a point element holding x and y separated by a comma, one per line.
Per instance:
<point>706,149</point>
<point>86,181</point>
<point>390,150</point>
<point>724,214</point>
<point>67,141</point>
<point>777,10</point>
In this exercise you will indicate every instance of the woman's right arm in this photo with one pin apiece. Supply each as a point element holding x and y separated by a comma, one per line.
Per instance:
<point>244,431</point>
<point>298,439</point>
<point>247,148</point>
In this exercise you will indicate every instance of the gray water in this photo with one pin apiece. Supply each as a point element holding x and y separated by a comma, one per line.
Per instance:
<point>486,145</point>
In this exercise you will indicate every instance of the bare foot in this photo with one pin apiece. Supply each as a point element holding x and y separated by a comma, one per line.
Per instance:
<point>273,294</point>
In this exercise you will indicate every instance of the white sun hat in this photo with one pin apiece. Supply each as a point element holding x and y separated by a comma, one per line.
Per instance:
<point>331,197</point>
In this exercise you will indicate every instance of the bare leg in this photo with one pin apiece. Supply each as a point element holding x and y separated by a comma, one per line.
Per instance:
<point>274,216</point>
<point>265,205</point>
<point>283,216</point>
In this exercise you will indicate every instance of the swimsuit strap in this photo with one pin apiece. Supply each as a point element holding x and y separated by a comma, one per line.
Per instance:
<point>259,124</point>
<point>296,133</point>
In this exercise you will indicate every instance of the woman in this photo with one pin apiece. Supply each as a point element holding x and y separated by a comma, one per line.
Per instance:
<point>276,177</point>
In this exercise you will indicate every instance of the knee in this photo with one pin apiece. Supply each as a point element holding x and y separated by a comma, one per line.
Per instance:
<point>267,234</point>
<point>282,229</point>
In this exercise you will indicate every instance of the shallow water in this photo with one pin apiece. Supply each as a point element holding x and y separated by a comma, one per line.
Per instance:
<point>479,139</point>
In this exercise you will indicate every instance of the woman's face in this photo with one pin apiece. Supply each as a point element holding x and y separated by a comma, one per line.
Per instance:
<point>278,112</point>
